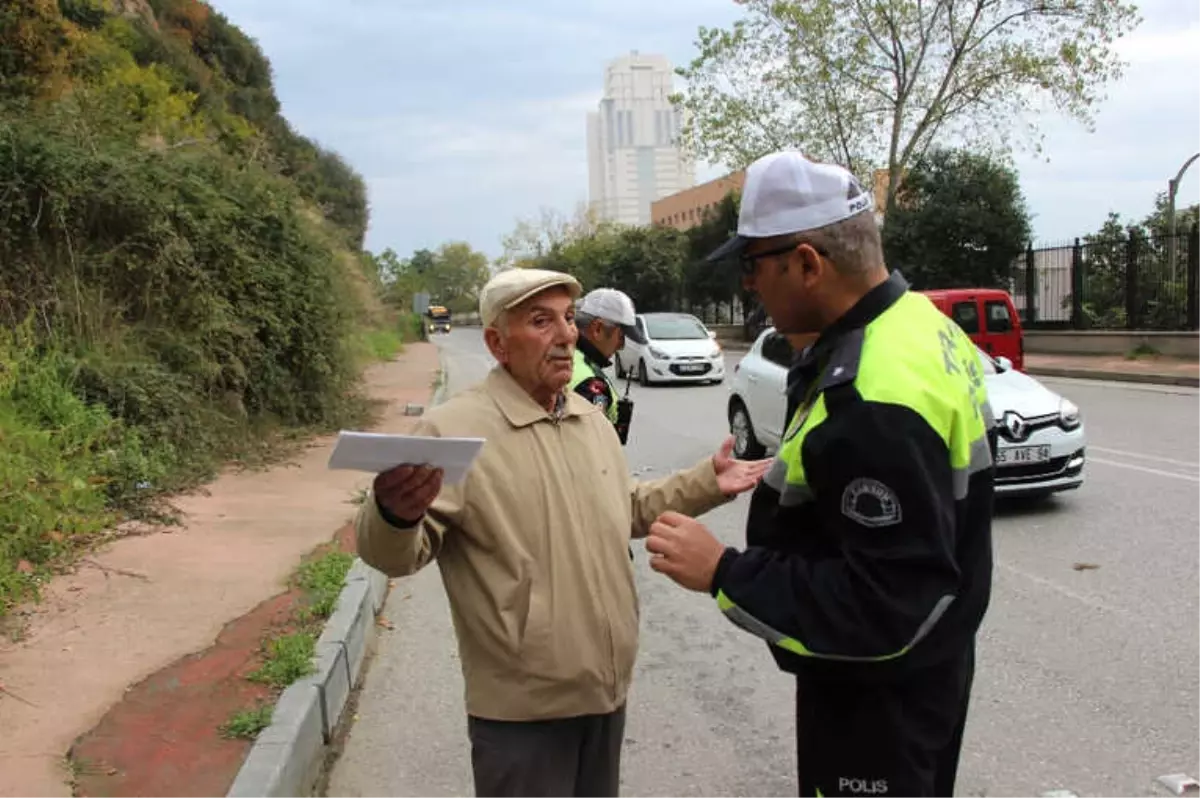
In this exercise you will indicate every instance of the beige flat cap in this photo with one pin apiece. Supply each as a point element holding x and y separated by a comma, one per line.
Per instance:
<point>512,287</point>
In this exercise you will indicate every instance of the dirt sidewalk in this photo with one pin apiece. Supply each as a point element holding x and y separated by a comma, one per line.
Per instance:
<point>144,603</point>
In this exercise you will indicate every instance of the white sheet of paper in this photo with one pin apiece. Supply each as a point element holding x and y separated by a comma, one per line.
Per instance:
<point>376,452</point>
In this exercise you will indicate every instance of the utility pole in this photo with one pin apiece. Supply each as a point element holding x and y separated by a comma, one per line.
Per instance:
<point>1172,187</point>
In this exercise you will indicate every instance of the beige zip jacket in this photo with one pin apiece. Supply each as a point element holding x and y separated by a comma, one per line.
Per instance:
<point>532,548</point>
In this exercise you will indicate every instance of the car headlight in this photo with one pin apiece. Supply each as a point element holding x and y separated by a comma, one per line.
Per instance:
<point>1068,414</point>
<point>658,354</point>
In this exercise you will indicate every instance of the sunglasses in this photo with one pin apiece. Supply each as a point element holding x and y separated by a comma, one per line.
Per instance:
<point>750,262</point>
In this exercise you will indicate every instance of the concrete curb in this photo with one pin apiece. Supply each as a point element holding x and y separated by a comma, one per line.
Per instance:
<point>439,393</point>
<point>1114,376</point>
<point>287,757</point>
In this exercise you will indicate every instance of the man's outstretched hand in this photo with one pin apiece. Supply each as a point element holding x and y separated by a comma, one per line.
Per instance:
<point>736,476</point>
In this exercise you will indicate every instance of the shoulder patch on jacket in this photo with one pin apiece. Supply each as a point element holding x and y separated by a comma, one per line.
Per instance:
<point>594,390</point>
<point>871,503</point>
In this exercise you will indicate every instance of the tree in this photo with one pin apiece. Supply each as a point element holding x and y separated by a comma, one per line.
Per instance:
<point>646,263</point>
<point>532,240</point>
<point>457,276</point>
<point>422,262</point>
<point>959,221</point>
<point>704,282</point>
<point>866,82</point>
<point>1161,291</point>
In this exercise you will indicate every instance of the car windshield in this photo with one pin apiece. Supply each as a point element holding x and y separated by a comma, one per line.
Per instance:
<point>989,365</point>
<point>674,328</point>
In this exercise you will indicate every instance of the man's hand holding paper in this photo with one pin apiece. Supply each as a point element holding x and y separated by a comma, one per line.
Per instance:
<point>406,491</point>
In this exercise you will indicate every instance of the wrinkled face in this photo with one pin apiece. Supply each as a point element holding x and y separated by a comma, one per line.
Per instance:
<point>790,279</point>
<point>536,343</point>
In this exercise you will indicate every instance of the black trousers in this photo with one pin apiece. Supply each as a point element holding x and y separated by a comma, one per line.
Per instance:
<point>883,739</point>
<point>569,756</point>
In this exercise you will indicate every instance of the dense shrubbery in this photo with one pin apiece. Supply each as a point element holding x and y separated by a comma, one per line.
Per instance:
<point>180,272</point>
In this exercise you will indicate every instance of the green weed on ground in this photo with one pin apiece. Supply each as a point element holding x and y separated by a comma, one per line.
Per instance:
<point>288,656</point>
<point>245,724</point>
<point>322,580</point>
<point>1140,351</point>
<point>60,461</point>
<point>383,344</point>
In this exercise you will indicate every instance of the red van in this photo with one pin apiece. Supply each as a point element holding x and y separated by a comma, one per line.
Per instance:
<point>988,316</point>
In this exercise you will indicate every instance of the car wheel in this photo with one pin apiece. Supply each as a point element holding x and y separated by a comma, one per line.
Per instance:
<point>643,374</point>
<point>618,367</point>
<point>745,445</point>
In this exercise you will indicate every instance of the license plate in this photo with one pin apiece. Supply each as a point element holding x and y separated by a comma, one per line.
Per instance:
<point>691,368</point>
<point>1021,455</point>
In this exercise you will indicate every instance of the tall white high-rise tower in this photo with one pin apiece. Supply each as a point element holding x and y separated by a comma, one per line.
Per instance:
<point>634,156</point>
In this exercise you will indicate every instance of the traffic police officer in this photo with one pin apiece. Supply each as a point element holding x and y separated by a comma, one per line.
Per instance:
<point>605,318</point>
<point>868,562</point>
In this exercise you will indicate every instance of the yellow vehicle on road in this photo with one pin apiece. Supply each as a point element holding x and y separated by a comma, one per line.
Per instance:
<point>437,319</point>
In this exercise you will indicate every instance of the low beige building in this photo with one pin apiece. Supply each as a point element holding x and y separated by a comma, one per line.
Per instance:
<point>687,208</point>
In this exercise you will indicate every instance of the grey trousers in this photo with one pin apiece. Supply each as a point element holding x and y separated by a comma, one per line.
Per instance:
<point>566,757</point>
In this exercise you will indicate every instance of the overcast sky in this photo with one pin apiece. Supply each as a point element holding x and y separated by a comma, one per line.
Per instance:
<point>464,116</point>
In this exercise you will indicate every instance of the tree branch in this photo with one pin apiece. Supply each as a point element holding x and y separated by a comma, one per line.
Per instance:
<point>824,62</point>
<point>956,57</point>
<point>890,53</point>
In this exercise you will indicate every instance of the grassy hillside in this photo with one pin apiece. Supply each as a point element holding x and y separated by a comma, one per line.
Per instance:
<point>181,275</point>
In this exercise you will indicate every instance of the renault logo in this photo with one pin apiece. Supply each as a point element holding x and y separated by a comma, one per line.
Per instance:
<point>1015,426</point>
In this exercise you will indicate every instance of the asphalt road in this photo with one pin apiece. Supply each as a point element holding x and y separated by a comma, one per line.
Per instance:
<point>1087,678</point>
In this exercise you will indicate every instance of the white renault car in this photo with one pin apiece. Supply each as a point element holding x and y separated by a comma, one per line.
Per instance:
<point>1041,437</point>
<point>678,348</point>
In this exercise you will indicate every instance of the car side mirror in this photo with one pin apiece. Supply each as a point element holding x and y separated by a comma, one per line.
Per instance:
<point>712,334</point>
<point>1004,363</point>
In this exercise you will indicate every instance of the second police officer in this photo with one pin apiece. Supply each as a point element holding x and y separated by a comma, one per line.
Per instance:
<point>605,317</point>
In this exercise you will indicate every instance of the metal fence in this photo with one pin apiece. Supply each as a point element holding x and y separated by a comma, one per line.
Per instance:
<point>1136,282</point>
<point>729,311</point>
<point>1132,283</point>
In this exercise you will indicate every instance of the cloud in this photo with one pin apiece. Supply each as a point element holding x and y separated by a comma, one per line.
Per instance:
<point>461,117</point>
<point>465,116</point>
<point>1148,125</point>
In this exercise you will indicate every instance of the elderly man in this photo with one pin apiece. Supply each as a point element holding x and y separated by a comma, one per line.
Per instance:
<point>532,548</point>
<point>868,561</point>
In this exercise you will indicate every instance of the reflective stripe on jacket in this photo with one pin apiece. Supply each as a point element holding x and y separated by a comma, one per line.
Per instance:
<point>870,539</point>
<point>584,370</point>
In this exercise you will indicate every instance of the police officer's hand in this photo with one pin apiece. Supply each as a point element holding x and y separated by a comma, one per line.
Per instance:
<point>684,549</point>
<point>736,476</point>
<point>406,491</point>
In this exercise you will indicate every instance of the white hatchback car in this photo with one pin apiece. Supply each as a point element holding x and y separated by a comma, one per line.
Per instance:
<point>678,348</point>
<point>1041,438</point>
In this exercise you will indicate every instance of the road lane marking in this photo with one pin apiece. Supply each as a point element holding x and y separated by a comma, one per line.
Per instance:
<point>1158,472</point>
<point>1155,457</point>
<point>1061,589</point>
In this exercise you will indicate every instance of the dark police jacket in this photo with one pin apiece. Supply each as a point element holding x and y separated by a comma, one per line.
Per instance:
<point>869,549</point>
